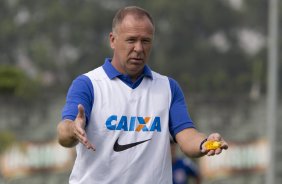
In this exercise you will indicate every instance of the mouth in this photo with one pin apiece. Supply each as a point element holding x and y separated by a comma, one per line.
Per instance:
<point>136,61</point>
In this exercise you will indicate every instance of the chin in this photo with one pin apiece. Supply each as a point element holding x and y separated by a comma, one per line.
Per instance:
<point>134,72</point>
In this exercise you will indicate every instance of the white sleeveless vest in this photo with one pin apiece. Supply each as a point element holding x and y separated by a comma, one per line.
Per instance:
<point>140,116</point>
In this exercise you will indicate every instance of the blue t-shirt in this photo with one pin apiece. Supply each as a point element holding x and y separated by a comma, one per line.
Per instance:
<point>183,169</point>
<point>81,92</point>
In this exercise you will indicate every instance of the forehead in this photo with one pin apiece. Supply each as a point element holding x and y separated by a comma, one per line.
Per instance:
<point>132,24</point>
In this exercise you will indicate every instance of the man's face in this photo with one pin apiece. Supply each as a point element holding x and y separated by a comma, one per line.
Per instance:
<point>132,42</point>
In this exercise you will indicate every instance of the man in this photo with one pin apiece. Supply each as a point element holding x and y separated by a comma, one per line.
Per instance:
<point>120,115</point>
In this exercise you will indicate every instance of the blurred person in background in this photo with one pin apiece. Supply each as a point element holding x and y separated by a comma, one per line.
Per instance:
<point>120,115</point>
<point>183,168</point>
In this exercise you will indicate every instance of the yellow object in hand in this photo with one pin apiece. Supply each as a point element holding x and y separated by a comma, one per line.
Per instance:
<point>212,145</point>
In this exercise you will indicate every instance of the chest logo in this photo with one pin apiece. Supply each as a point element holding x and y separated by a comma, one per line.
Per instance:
<point>134,123</point>
<point>118,147</point>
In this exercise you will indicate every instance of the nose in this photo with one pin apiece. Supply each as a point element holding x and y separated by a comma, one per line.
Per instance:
<point>138,47</point>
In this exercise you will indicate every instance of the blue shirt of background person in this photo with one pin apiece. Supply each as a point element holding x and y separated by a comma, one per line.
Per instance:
<point>183,168</point>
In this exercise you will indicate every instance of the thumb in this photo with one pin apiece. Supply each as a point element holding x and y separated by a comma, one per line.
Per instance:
<point>81,113</point>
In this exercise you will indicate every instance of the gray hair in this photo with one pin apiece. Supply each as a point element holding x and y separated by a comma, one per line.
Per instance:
<point>132,10</point>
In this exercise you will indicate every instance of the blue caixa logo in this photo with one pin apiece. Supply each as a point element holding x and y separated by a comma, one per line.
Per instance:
<point>134,123</point>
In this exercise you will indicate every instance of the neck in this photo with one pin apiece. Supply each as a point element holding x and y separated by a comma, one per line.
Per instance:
<point>117,66</point>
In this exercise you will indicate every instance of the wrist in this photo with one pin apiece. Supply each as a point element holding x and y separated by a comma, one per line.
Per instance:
<point>202,143</point>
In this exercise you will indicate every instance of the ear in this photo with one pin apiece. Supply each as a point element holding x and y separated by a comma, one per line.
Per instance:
<point>112,40</point>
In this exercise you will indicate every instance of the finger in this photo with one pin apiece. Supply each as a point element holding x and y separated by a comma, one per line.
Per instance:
<point>81,113</point>
<point>218,151</point>
<point>80,130</point>
<point>83,139</point>
<point>211,153</point>
<point>224,146</point>
<point>91,146</point>
<point>203,150</point>
<point>87,144</point>
<point>80,118</point>
<point>215,136</point>
<point>81,136</point>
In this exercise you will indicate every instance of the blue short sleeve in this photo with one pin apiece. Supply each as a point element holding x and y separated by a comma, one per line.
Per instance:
<point>80,92</point>
<point>179,118</point>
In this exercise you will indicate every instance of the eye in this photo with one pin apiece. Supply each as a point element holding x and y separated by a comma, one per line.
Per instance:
<point>130,40</point>
<point>146,41</point>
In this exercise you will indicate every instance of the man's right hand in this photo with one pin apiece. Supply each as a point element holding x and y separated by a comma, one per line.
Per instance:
<point>71,132</point>
<point>79,128</point>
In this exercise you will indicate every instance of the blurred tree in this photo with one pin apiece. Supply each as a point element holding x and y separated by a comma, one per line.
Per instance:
<point>199,43</point>
<point>14,82</point>
<point>58,38</point>
<point>6,139</point>
<point>213,48</point>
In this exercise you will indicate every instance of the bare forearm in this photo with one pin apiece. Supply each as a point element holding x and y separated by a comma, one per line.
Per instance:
<point>65,134</point>
<point>189,141</point>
